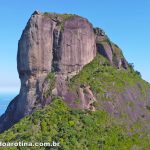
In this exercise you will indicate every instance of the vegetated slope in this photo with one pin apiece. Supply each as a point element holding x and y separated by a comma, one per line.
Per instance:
<point>74,129</point>
<point>52,49</point>
<point>106,128</point>
<point>121,92</point>
<point>108,102</point>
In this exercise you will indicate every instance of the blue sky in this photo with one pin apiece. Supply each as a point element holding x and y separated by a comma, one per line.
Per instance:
<point>127,23</point>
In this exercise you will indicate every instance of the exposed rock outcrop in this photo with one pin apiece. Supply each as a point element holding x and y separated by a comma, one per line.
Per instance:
<point>87,97</point>
<point>72,50</point>
<point>50,42</point>
<point>61,44</point>
<point>109,50</point>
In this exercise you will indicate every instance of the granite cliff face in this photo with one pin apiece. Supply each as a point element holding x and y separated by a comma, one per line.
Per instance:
<point>54,48</point>
<point>49,42</point>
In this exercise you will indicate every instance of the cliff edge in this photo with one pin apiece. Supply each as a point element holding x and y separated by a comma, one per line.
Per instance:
<point>52,50</point>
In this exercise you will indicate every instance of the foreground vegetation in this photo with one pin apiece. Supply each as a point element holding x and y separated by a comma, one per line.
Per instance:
<point>74,129</point>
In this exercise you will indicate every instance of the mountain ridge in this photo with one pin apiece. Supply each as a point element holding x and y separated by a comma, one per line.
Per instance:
<point>53,53</point>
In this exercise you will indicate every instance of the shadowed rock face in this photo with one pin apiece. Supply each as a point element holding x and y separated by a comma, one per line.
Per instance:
<point>48,43</point>
<point>34,60</point>
<point>109,50</point>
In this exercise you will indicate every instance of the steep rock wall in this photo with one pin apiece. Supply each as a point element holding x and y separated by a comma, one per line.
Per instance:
<point>61,44</point>
<point>77,46</point>
<point>50,42</point>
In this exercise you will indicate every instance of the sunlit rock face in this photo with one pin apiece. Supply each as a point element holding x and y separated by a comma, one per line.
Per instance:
<point>49,43</point>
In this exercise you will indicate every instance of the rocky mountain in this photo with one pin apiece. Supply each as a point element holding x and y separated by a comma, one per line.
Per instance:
<point>63,55</point>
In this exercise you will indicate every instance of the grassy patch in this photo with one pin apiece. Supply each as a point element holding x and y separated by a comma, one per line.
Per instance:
<point>104,78</point>
<point>78,101</point>
<point>55,16</point>
<point>49,84</point>
<point>148,108</point>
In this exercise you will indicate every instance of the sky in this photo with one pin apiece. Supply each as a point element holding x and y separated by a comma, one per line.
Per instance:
<point>127,23</point>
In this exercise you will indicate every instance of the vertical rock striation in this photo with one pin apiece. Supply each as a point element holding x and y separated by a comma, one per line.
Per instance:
<point>77,46</point>
<point>61,44</point>
<point>49,43</point>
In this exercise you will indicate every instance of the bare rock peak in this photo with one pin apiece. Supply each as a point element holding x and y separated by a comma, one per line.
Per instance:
<point>55,43</point>
<point>36,12</point>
